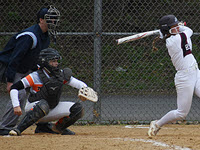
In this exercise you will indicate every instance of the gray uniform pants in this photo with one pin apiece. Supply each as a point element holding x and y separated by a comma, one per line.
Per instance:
<point>9,119</point>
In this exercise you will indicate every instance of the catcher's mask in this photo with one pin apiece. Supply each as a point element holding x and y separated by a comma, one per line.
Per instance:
<point>166,22</point>
<point>45,56</point>
<point>52,17</point>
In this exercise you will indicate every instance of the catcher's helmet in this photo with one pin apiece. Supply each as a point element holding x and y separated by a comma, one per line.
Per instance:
<point>52,17</point>
<point>45,56</point>
<point>166,22</point>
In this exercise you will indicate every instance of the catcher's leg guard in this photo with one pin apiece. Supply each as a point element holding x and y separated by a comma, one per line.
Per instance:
<point>77,112</point>
<point>40,110</point>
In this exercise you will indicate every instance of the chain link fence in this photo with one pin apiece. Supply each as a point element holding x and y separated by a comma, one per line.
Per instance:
<point>134,83</point>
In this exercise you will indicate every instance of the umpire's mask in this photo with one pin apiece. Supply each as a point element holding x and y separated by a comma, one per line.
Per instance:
<point>52,19</point>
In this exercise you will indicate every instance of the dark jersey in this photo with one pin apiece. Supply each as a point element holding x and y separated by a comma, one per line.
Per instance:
<point>22,51</point>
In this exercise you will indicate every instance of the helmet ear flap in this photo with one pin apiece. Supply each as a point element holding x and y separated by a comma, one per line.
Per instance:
<point>41,62</point>
<point>164,29</point>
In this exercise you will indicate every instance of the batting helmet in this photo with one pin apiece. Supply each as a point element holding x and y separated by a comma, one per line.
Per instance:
<point>45,56</point>
<point>166,22</point>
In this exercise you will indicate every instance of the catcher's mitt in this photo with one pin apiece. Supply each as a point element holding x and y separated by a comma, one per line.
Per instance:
<point>87,93</point>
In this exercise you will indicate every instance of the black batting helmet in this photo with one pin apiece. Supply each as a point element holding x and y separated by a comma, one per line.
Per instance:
<point>166,22</point>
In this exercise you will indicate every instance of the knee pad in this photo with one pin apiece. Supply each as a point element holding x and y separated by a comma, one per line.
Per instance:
<point>40,110</point>
<point>43,105</point>
<point>76,111</point>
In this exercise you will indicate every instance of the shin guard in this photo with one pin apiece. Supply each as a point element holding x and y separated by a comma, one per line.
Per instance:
<point>76,112</point>
<point>40,110</point>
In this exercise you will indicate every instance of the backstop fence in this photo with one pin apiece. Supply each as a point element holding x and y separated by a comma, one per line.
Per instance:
<point>134,84</point>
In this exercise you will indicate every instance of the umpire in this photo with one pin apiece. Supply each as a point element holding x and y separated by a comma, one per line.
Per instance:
<point>20,55</point>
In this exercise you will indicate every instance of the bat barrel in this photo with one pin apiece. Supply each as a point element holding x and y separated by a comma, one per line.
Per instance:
<point>136,36</point>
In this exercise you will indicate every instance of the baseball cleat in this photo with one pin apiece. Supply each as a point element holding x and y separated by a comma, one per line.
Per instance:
<point>153,129</point>
<point>64,132</point>
<point>67,132</point>
<point>44,128</point>
<point>15,132</point>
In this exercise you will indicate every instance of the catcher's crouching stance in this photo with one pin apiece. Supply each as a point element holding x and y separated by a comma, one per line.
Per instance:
<point>45,89</point>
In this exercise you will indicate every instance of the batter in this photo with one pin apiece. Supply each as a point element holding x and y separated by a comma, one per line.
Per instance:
<point>187,78</point>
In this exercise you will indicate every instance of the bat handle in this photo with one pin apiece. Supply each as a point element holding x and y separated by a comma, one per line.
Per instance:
<point>116,41</point>
<point>182,23</point>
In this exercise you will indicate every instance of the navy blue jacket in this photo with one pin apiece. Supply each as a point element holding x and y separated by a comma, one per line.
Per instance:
<point>22,51</point>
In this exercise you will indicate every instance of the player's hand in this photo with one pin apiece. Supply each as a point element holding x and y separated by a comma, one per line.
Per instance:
<point>17,111</point>
<point>9,84</point>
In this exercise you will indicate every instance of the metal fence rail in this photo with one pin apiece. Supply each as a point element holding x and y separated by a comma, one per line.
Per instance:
<point>134,83</point>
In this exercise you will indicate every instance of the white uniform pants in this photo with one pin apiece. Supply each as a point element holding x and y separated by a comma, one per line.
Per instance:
<point>60,111</point>
<point>187,82</point>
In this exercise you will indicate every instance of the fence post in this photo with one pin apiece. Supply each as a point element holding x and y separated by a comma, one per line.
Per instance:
<point>97,57</point>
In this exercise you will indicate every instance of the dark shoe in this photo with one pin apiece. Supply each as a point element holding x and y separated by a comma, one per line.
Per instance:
<point>44,128</point>
<point>68,132</point>
<point>4,132</point>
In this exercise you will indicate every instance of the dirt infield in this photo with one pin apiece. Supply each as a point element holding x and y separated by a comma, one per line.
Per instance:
<point>115,137</point>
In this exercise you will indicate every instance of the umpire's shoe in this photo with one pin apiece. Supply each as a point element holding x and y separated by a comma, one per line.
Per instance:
<point>44,128</point>
<point>4,132</point>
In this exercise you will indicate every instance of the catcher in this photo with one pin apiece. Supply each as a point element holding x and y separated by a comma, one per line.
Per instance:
<point>45,87</point>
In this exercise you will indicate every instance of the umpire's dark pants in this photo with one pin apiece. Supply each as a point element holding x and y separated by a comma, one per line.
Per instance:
<point>9,119</point>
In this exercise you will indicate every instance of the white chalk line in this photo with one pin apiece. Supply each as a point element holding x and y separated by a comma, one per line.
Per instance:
<point>155,143</point>
<point>142,127</point>
<point>151,141</point>
<point>135,126</point>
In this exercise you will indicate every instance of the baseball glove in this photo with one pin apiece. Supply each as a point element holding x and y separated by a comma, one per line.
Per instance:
<point>87,93</point>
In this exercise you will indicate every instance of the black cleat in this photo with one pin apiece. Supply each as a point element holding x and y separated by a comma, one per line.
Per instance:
<point>68,132</point>
<point>44,128</point>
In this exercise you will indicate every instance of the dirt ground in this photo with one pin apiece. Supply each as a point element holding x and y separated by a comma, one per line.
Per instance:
<point>114,137</point>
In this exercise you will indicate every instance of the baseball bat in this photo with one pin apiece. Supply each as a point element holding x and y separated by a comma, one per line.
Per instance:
<point>136,36</point>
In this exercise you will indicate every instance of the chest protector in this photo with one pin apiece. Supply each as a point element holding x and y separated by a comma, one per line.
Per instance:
<point>51,89</point>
